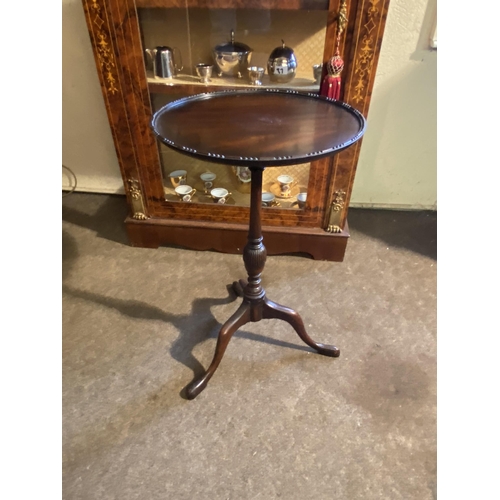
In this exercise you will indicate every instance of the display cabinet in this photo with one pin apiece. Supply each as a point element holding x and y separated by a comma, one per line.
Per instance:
<point>152,52</point>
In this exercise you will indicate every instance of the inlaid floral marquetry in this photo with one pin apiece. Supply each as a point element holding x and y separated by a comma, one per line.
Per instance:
<point>104,53</point>
<point>364,61</point>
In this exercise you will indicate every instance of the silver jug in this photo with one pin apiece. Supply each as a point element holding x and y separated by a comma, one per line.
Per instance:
<point>164,65</point>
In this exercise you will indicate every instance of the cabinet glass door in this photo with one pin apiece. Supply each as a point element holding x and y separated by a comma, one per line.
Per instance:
<point>189,49</point>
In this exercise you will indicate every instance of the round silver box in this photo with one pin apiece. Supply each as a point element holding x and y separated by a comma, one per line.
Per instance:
<point>282,64</point>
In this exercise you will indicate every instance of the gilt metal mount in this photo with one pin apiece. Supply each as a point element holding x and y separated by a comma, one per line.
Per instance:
<point>338,203</point>
<point>138,209</point>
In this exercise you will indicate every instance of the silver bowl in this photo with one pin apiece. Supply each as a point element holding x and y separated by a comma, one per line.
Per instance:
<point>232,58</point>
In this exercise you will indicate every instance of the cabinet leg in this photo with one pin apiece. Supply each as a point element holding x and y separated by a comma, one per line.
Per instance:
<point>272,310</point>
<point>238,319</point>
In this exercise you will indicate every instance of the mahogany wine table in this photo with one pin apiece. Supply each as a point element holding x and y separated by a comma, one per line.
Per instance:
<point>257,128</point>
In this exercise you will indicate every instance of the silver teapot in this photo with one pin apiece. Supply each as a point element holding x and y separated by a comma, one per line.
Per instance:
<point>164,65</point>
<point>282,64</point>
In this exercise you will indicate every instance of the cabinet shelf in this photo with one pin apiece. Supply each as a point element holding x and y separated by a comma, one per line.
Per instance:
<point>236,4</point>
<point>187,83</point>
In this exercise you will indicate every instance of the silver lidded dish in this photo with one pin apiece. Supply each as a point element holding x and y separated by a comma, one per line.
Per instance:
<point>232,58</point>
<point>282,64</point>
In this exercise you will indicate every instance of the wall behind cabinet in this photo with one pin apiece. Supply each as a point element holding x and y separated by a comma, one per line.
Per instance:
<point>88,148</point>
<point>397,163</point>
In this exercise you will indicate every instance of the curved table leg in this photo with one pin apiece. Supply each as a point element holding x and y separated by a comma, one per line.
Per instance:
<point>239,318</point>
<point>272,310</point>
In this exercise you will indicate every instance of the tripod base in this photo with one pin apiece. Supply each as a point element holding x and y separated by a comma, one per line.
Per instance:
<point>255,305</point>
<point>253,311</point>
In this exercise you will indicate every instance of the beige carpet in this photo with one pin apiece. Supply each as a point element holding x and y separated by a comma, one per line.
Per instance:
<point>276,420</point>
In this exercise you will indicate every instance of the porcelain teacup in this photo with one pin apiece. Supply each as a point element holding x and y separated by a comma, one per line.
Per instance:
<point>220,195</point>
<point>185,192</point>
<point>286,182</point>
<point>208,180</point>
<point>301,200</point>
<point>178,178</point>
<point>268,199</point>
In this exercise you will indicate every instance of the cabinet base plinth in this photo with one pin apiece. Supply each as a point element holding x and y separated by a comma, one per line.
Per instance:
<point>232,238</point>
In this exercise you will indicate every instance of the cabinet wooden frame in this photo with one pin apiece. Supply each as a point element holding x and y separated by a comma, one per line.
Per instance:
<point>116,40</point>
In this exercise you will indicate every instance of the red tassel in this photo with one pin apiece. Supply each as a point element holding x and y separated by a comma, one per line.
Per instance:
<point>331,83</point>
<point>331,87</point>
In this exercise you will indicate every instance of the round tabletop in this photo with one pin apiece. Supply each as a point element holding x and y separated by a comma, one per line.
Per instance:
<point>264,127</point>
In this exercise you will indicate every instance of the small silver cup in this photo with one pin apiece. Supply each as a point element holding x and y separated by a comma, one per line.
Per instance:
<point>317,71</point>
<point>255,74</point>
<point>204,71</point>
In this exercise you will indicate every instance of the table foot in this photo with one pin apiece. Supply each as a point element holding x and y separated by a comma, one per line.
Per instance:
<point>238,319</point>
<point>239,286</point>
<point>271,310</point>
